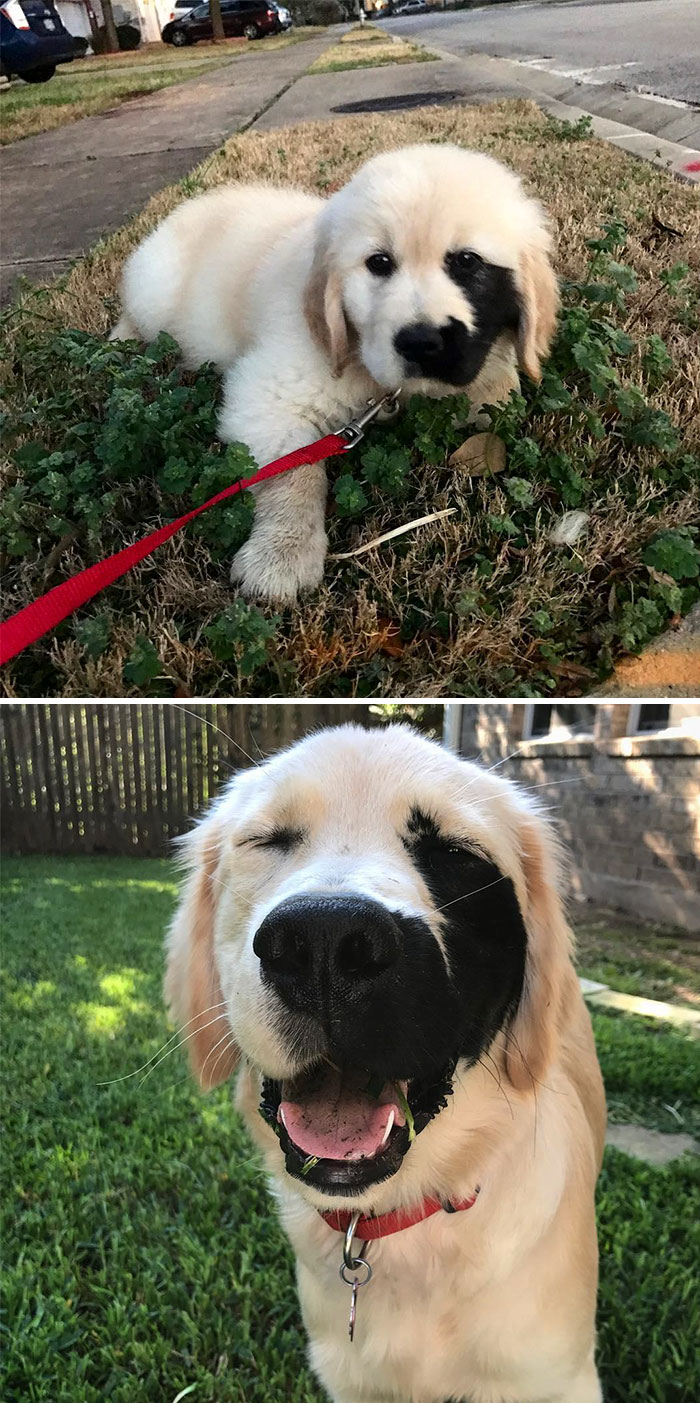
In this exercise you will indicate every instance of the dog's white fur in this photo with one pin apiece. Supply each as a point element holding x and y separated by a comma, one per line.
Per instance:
<point>271,285</point>
<point>492,1305</point>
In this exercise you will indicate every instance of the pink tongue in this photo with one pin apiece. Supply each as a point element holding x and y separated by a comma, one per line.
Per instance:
<point>337,1119</point>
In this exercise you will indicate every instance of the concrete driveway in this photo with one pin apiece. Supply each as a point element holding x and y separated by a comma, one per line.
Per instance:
<point>642,45</point>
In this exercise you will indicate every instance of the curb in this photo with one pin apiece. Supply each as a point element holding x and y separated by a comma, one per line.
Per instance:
<point>601,996</point>
<point>552,94</point>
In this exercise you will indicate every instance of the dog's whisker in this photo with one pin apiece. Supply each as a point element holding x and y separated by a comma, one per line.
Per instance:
<point>466,894</point>
<point>234,891</point>
<point>498,1081</point>
<point>230,1041</point>
<point>178,1033</point>
<point>255,743</point>
<point>182,1043</point>
<point>213,727</point>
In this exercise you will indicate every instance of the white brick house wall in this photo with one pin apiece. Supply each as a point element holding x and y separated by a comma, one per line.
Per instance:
<point>627,804</point>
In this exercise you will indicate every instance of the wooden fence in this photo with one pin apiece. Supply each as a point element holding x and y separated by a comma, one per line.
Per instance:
<point>128,778</point>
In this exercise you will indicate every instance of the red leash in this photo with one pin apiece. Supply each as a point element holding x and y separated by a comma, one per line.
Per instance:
<point>43,614</point>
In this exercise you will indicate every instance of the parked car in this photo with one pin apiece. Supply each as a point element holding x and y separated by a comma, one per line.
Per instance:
<point>180,9</point>
<point>412,7</point>
<point>252,19</point>
<point>33,40</point>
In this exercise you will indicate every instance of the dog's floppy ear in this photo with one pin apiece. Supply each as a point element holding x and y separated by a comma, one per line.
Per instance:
<point>192,988</point>
<point>323,305</point>
<point>550,978</point>
<point>539,305</point>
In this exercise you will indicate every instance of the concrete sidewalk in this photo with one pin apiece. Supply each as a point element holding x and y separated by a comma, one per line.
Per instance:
<point>646,128</point>
<point>64,190</point>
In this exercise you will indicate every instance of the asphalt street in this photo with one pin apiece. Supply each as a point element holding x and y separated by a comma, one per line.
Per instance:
<point>642,45</point>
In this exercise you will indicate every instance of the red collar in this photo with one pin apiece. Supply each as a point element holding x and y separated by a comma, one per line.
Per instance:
<point>368,1229</point>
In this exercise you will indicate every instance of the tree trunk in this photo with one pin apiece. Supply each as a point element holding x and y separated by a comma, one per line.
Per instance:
<point>112,43</point>
<point>217,23</point>
<point>94,26</point>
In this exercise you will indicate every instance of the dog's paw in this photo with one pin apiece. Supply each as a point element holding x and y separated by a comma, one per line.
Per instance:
<point>280,576</point>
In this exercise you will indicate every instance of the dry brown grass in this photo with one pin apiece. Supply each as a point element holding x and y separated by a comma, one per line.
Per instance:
<point>361,633</point>
<point>368,48</point>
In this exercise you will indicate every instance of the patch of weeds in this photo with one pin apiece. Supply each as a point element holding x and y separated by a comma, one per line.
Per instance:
<point>563,130</point>
<point>651,1071</point>
<point>243,635</point>
<point>143,664</point>
<point>679,283</point>
<point>107,440</point>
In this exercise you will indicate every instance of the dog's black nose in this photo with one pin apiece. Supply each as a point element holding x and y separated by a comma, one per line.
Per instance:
<point>317,949</point>
<point>420,343</point>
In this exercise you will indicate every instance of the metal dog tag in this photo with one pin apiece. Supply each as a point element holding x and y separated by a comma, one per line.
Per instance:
<point>348,1272</point>
<point>355,1283</point>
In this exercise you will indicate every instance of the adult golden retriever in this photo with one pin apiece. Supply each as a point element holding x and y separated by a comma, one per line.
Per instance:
<point>372,929</point>
<point>428,273</point>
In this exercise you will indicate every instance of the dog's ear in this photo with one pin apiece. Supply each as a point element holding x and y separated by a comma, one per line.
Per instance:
<point>192,989</point>
<point>539,305</point>
<point>550,978</point>
<point>323,305</point>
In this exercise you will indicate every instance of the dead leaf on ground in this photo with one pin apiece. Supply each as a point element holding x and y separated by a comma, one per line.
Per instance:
<point>480,454</point>
<point>387,639</point>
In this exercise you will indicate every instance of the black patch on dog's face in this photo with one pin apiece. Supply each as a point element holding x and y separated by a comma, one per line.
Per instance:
<point>483,933</point>
<point>493,297</point>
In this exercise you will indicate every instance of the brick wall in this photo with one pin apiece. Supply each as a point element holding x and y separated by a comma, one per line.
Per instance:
<point>628,806</point>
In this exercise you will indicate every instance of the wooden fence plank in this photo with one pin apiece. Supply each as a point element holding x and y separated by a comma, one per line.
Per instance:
<point>128,778</point>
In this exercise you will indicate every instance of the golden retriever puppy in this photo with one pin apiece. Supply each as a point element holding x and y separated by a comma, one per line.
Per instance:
<point>372,929</point>
<point>428,273</point>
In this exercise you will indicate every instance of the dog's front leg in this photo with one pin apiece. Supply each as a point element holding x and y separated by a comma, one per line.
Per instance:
<point>286,549</point>
<point>285,552</point>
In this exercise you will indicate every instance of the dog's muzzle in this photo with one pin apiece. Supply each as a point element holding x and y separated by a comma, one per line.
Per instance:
<point>449,354</point>
<point>334,962</point>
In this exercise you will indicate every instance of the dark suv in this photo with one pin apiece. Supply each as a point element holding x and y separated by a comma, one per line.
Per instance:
<point>249,19</point>
<point>33,40</point>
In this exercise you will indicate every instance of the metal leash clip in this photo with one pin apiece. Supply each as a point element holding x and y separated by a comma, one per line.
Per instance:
<point>355,429</point>
<point>351,1264</point>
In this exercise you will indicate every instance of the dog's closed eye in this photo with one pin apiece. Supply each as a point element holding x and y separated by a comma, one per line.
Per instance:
<point>382,265</point>
<point>282,839</point>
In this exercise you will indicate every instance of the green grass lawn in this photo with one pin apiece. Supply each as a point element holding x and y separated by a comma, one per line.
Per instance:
<point>142,1253</point>
<point>652,961</point>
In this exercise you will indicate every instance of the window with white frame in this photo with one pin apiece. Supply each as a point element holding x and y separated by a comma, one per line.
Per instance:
<point>559,721</point>
<point>647,718</point>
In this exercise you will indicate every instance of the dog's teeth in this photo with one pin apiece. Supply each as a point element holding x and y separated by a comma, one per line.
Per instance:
<point>389,1127</point>
<point>280,1116</point>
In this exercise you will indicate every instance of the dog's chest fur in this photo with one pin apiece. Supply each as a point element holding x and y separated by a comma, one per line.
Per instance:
<point>430,1324</point>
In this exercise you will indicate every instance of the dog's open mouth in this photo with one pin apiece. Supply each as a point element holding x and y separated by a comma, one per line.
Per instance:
<point>342,1129</point>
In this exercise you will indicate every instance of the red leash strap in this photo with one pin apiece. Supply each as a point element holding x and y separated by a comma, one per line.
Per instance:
<point>51,609</point>
<point>367,1229</point>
